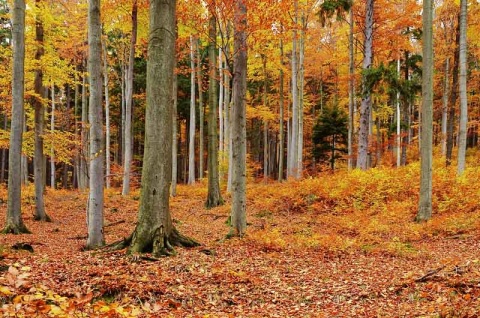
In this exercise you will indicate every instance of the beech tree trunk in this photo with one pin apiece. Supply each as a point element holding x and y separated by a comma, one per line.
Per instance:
<point>301,80</point>
<point>445,99</point>
<point>201,146</point>
<point>239,175</point>
<point>191,134</point>
<point>52,130</point>
<point>39,118</point>
<point>95,236</point>
<point>127,157</point>
<point>107,117</point>
<point>155,231</point>
<point>351,90</point>
<point>214,197</point>
<point>83,175</point>
<point>462,88</point>
<point>281,132</point>
<point>174,133</point>
<point>453,99</point>
<point>14,223</point>
<point>425,203</point>
<point>365,108</point>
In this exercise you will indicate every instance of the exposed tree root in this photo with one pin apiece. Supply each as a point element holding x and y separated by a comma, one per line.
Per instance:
<point>15,229</point>
<point>46,218</point>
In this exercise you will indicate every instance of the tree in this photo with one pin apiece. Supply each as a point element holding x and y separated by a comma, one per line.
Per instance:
<point>95,115</point>
<point>14,223</point>
<point>191,135</point>
<point>155,230</point>
<point>462,85</point>
<point>39,117</point>
<point>127,158</point>
<point>214,197</point>
<point>366,105</point>
<point>329,134</point>
<point>239,173</point>
<point>425,203</point>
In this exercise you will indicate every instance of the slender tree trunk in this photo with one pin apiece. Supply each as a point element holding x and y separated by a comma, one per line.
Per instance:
<point>24,169</point>
<point>174,132</point>
<point>462,84</point>
<point>214,197</point>
<point>281,132</point>
<point>4,152</point>
<point>365,108</point>
<point>221,94</point>
<point>52,131</point>
<point>83,180</point>
<point>301,79</point>
<point>107,117</point>
<point>201,146</point>
<point>39,118</point>
<point>425,203</point>
<point>191,135</point>
<point>265,121</point>
<point>77,160</point>
<point>351,90</point>
<point>293,147</point>
<point>238,214</point>
<point>445,99</point>
<point>14,223</point>
<point>155,230</point>
<point>95,236</point>
<point>453,98</point>
<point>399,136</point>
<point>127,157</point>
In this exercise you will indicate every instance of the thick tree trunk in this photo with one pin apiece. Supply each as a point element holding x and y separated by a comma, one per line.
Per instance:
<point>107,116</point>
<point>155,231</point>
<point>365,108</point>
<point>425,202</point>
<point>14,223</point>
<point>127,158</point>
<point>214,197</point>
<point>95,115</point>
<point>238,214</point>
<point>191,134</point>
<point>39,118</point>
<point>462,88</point>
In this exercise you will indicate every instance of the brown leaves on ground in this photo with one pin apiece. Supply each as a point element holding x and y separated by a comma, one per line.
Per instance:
<point>340,246</point>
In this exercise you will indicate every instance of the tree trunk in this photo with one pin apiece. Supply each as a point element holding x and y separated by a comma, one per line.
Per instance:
<point>83,176</point>
<point>127,158</point>
<point>201,146</point>
<point>453,98</point>
<point>265,121</point>
<point>281,132</point>
<point>155,231</point>
<point>445,98</point>
<point>24,169</point>
<point>301,80</point>
<point>95,115</point>
<point>425,203</point>
<point>398,137</point>
<point>39,118</point>
<point>221,95</point>
<point>238,212</point>
<point>52,131</point>
<point>462,88</point>
<point>107,116</point>
<point>4,151</point>
<point>365,108</point>
<point>351,90</point>
<point>14,223</point>
<point>214,197</point>
<point>293,147</point>
<point>174,132</point>
<point>191,135</point>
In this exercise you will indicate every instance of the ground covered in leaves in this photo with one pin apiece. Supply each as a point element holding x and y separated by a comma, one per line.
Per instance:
<point>342,245</point>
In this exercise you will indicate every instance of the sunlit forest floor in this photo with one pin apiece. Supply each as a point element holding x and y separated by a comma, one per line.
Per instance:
<point>341,245</point>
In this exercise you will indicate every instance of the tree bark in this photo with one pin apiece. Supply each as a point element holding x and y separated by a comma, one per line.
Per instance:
<point>191,135</point>
<point>281,115</point>
<point>107,116</point>
<point>453,98</point>
<point>14,223</point>
<point>239,175</point>
<point>462,88</point>
<point>214,197</point>
<point>301,80</point>
<point>425,202</point>
<point>83,176</point>
<point>127,158</point>
<point>446,81</point>
<point>365,108</point>
<point>201,146</point>
<point>351,90</point>
<point>174,132</point>
<point>95,237</point>
<point>52,148</point>
<point>155,231</point>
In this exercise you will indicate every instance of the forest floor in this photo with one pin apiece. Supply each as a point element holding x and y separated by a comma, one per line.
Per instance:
<point>340,246</point>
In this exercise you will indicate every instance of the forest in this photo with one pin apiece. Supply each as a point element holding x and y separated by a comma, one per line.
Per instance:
<point>239,158</point>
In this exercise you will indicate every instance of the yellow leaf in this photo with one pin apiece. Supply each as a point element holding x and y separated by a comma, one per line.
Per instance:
<point>5,290</point>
